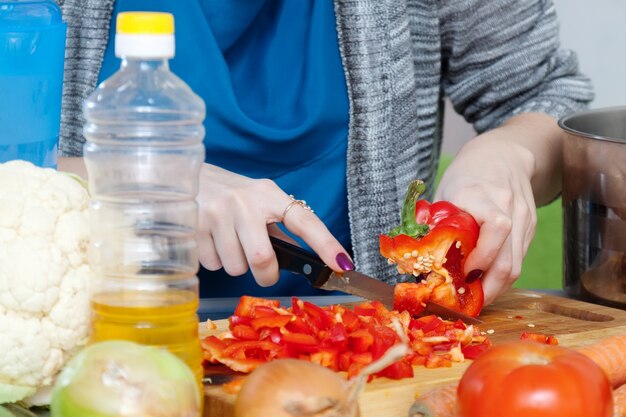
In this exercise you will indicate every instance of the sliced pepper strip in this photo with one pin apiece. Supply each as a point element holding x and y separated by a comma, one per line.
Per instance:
<point>539,338</point>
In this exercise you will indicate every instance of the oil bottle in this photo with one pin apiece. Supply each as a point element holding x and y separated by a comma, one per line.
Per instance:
<point>143,153</point>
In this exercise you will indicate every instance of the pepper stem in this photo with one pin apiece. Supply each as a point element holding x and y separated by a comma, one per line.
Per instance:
<point>409,225</point>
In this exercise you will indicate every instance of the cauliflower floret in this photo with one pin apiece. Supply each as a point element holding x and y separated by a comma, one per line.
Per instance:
<point>44,275</point>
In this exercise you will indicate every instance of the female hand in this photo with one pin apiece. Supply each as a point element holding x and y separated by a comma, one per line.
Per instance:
<point>492,178</point>
<point>237,214</point>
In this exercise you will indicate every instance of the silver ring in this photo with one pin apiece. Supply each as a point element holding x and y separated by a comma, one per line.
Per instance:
<point>294,202</point>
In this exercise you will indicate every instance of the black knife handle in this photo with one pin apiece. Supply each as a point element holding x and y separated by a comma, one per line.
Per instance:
<point>297,260</point>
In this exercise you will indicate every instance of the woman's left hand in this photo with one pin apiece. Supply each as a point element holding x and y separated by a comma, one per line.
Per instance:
<point>491,178</point>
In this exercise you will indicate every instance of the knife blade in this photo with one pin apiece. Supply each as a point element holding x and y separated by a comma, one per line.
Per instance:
<point>300,261</point>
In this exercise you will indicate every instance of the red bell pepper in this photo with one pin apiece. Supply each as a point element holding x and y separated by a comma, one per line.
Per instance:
<point>474,351</point>
<point>539,338</point>
<point>277,320</point>
<point>244,332</point>
<point>247,304</point>
<point>432,244</point>
<point>337,337</point>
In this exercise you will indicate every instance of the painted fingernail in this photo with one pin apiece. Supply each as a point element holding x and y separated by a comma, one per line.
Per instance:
<point>344,262</point>
<point>473,275</point>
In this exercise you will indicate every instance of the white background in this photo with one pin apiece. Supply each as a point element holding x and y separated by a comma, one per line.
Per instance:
<point>596,30</point>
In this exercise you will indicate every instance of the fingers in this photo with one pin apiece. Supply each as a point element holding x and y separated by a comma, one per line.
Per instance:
<point>227,246</point>
<point>500,275</point>
<point>499,195</point>
<point>207,254</point>
<point>233,221</point>
<point>506,233</point>
<point>258,251</point>
<point>493,254</point>
<point>314,232</point>
<point>237,214</point>
<point>494,233</point>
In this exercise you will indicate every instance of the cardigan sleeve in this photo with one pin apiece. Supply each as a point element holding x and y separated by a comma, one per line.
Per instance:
<point>87,35</point>
<point>503,57</point>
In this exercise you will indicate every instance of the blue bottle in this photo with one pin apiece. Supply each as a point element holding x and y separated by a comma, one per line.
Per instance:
<point>32,54</point>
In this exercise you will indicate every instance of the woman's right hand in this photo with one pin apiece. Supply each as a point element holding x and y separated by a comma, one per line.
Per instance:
<point>237,214</point>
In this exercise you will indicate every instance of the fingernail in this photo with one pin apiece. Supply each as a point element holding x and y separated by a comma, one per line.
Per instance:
<point>473,275</point>
<point>344,262</point>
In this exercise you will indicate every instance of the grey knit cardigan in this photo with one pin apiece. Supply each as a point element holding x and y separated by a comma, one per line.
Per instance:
<point>491,58</point>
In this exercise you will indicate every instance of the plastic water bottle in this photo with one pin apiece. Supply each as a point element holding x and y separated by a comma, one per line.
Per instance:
<point>143,154</point>
<point>32,54</point>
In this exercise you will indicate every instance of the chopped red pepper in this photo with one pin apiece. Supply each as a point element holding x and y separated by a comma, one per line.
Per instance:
<point>474,351</point>
<point>235,320</point>
<point>427,323</point>
<point>337,337</point>
<point>244,332</point>
<point>540,338</point>
<point>364,309</point>
<point>277,320</point>
<point>432,244</point>
<point>327,358</point>
<point>398,370</point>
<point>247,303</point>
<point>300,340</point>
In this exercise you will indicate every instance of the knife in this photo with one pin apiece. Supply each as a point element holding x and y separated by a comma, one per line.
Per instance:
<point>297,260</point>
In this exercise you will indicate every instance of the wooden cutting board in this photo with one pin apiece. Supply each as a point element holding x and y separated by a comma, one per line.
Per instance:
<point>573,322</point>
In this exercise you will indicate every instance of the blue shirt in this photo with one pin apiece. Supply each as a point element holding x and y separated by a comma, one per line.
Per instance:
<point>270,73</point>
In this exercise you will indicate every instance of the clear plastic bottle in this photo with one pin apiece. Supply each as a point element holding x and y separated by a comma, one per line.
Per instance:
<point>143,154</point>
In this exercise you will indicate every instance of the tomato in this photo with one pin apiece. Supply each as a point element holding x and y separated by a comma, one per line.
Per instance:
<point>529,379</point>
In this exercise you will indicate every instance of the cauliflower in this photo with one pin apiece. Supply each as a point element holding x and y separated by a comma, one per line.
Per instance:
<point>44,276</point>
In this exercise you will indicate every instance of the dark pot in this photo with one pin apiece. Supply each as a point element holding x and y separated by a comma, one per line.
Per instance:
<point>594,205</point>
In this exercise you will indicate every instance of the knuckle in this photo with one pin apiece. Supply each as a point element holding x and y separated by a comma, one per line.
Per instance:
<point>533,220</point>
<point>261,259</point>
<point>211,211</point>
<point>502,222</point>
<point>503,270</point>
<point>532,228</point>
<point>515,271</point>
<point>330,242</point>
<point>303,224</point>
<point>234,197</point>
<point>235,268</point>
<point>266,280</point>
<point>266,186</point>
<point>514,274</point>
<point>210,263</point>
<point>206,253</point>
<point>489,256</point>
<point>486,253</point>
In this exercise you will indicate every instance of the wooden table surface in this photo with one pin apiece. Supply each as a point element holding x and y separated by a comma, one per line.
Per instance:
<point>574,323</point>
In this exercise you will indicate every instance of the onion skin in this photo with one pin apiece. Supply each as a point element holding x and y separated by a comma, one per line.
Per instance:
<point>119,378</point>
<point>292,387</point>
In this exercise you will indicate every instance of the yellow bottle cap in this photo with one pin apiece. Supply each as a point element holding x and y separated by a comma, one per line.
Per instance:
<point>145,23</point>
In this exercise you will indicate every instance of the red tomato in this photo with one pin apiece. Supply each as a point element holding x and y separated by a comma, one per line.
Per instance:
<point>529,379</point>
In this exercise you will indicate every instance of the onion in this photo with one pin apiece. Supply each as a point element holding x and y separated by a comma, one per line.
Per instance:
<point>125,379</point>
<point>298,388</point>
<point>293,387</point>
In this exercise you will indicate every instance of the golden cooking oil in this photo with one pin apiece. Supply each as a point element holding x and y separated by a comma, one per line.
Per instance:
<point>165,318</point>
